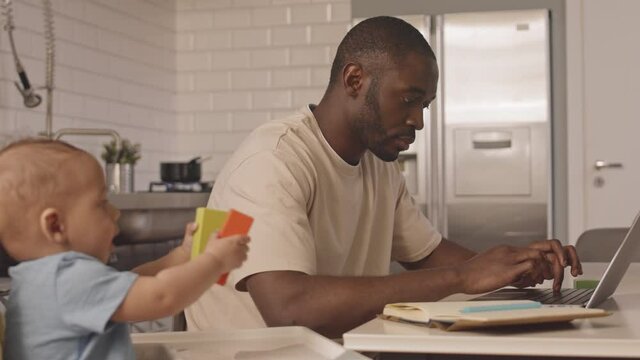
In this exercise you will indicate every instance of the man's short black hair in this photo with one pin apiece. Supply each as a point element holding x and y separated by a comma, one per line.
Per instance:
<point>381,35</point>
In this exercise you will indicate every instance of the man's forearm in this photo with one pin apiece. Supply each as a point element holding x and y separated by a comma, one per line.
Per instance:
<point>333,305</point>
<point>448,253</point>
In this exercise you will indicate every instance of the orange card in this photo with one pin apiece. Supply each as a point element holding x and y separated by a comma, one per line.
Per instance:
<point>237,223</point>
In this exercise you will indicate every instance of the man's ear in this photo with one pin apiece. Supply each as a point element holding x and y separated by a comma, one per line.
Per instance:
<point>52,226</point>
<point>353,79</point>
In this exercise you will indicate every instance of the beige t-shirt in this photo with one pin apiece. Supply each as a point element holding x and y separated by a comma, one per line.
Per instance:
<point>313,213</point>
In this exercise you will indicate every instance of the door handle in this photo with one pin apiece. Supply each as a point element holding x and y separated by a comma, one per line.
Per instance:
<point>601,164</point>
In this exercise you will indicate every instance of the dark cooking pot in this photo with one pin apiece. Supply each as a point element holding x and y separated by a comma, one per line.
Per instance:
<point>181,171</point>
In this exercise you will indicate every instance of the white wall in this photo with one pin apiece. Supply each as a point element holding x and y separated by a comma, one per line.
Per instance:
<point>243,62</point>
<point>575,120</point>
<point>182,77</point>
<point>115,68</point>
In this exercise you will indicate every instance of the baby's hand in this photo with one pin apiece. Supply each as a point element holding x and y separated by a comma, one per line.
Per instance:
<point>187,241</point>
<point>231,251</point>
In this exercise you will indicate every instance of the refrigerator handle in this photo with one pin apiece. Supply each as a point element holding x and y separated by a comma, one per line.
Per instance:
<point>436,205</point>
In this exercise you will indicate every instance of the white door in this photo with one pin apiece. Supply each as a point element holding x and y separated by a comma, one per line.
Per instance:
<point>611,112</point>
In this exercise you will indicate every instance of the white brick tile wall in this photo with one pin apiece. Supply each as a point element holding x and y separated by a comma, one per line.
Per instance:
<point>237,100</point>
<point>182,77</point>
<point>240,18</point>
<point>228,142</point>
<point>291,77</point>
<point>193,61</point>
<point>277,53</point>
<point>316,55</point>
<point>185,123</point>
<point>249,120</point>
<point>288,2</point>
<point>328,34</point>
<point>290,35</point>
<point>272,99</point>
<point>196,144</point>
<point>212,80</point>
<point>320,76</point>
<point>310,14</point>
<point>195,21</point>
<point>307,96</point>
<point>250,79</point>
<point>185,42</point>
<point>340,12</point>
<point>208,4</point>
<point>269,58</point>
<point>227,60</point>
<point>251,38</point>
<point>212,122</point>
<point>212,39</point>
<point>271,16</point>
<point>194,102</point>
<point>250,3</point>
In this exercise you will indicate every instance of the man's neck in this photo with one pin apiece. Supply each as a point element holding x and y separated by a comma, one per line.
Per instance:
<point>333,120</point>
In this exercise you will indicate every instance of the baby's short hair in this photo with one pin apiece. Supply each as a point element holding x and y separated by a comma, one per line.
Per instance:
<point>31,176</point>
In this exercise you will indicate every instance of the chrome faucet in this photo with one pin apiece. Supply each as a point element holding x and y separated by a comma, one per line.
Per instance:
<point>89,132</point>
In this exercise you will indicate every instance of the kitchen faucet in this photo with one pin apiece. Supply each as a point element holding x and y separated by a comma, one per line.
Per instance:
<point>89,132</point>
<point>31,99</point>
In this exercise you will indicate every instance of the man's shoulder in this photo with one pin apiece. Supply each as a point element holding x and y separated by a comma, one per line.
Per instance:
<point>277,133</point>
<point>279,140</point>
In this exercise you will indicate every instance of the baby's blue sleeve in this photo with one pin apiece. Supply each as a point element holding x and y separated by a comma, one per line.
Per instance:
<point>89,292</point>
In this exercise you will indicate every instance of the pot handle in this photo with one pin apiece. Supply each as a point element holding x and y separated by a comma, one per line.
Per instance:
<point>199,159</point>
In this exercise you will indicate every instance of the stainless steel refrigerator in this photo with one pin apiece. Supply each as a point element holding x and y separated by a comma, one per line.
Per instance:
<point>481,168</point>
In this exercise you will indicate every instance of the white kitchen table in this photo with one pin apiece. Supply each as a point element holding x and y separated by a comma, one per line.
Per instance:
<point>615,336</point>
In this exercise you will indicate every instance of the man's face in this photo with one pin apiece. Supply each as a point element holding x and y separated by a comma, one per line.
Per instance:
<point>394,104</point>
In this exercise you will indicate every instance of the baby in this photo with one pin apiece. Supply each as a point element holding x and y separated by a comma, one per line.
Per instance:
<point>65,303</point>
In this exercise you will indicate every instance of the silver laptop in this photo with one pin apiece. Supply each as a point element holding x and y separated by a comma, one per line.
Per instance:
<point>585,297</point>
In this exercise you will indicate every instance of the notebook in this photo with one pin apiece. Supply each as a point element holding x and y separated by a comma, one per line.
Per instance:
<point>588,298</point>
<point>463,315</point>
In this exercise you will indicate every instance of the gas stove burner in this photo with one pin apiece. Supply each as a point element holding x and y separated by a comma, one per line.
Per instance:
<point>163,186</point>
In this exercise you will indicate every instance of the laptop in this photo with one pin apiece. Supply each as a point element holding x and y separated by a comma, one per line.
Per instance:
<point>588,298</point>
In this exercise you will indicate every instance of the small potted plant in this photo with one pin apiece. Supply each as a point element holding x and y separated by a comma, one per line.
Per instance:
<point>119,164</point>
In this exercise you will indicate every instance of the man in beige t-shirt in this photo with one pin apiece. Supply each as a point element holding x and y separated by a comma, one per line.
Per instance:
<point>332,210</point>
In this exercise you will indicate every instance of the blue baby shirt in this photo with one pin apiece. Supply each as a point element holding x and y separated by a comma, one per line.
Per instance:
<point>60,306</point>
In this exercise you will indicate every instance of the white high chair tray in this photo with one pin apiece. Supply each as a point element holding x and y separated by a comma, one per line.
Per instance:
<point>281,343</point>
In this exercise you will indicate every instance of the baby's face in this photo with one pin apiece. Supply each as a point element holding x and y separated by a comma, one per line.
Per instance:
<point>92,220</point>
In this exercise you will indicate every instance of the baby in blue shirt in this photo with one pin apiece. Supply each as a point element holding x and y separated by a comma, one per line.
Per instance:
<point>65,303</point>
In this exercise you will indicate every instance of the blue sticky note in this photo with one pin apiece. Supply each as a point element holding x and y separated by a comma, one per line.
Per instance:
<point>501,307</point>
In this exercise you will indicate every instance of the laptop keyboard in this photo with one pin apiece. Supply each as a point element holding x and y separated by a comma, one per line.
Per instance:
<point>545,296</point>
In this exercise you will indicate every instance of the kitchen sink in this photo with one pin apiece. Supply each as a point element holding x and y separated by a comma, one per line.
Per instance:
<point>155,216</point>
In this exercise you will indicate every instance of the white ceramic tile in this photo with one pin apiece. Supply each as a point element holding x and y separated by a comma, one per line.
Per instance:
<point>310,55</point>
<point>212,39</point>
<point>328,34</point>
<point>271,99</point>
<point>250,38</point>
<point>250,79</point>
<point>228,142</point>
<point>211,122</point>
<point>211,80</point>
<point>290,35</point>
<point>269,16</point>
<point>236,59</point>
<point>236,100</point>
<point>290,77</point>
<point>268,58</point>
<point>309,14</point>
<point>226,19</point>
